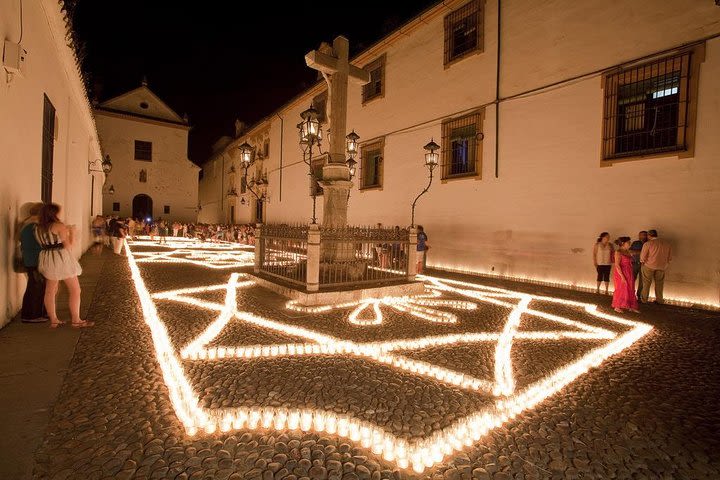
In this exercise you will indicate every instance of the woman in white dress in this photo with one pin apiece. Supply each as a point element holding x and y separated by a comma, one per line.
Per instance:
<point>57,263</point>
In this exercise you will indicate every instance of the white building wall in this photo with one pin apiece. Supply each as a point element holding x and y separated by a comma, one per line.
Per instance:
<point>172,179</point>
<point>539,218</point>
<point>50,69</point>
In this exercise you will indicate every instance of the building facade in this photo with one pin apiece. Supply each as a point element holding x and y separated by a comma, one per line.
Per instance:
<point>556,121</point>
<point>147,141</point>
<point>50,149</point>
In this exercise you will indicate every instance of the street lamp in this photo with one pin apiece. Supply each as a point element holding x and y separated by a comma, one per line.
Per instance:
<point>310,132</point>
<point>247,159</point>
<point>352,150</point>
<point>432,158</point>
<point>352,143</point>
<point>105,165</point>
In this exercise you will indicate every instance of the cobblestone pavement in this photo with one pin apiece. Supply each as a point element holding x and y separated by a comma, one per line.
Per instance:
<point>650,411</point>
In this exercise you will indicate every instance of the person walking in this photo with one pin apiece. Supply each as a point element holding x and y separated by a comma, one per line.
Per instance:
<point>602,259</point>
<point>655,257</point>
<point>422,247</point>
<point>56,263</point>
<point>33,304</point>
<point>635,250</point>
<point>624,296</point>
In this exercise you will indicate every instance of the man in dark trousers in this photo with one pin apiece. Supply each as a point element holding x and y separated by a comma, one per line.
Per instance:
<point>33,305</point>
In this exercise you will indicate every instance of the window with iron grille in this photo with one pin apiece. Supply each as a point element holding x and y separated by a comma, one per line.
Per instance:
<point>48,147</point>
<point>143,150</point>
<point>317,174</point>
<point>376,87</point>
<point>461,138</point>
<point>464,31</point>
<point>116,206</point>
<point>320,104</point>
<point>371,165</point>
<point>166,209</point>
<point>646,108</point>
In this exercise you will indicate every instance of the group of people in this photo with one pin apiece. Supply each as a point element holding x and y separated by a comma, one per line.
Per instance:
<point>643,260</point>
<point>45,248</point>
<point>392,254</point>
<point>111,230</point>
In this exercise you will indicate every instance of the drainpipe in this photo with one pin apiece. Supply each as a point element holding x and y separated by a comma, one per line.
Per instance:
<point>497,96</point>
<point>282,131</point>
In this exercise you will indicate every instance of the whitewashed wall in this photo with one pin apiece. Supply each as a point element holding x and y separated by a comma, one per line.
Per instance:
<point>540,217</point>
<point>171,178</point>
<point>50,69</point>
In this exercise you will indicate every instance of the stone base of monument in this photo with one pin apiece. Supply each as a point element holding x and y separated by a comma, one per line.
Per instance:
<point>338,296</point>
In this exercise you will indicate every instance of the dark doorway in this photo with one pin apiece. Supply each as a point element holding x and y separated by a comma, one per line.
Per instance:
<point>48,145</point>
<point>142,207</point>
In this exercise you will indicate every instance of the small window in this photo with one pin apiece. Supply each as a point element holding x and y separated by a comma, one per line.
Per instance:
<point>320,104</point>
<point>266,149</point>
<point>317,175</point>
<point>143,150</point>
<point>144,105</point>
<point>376,87</point>
<point>371,165</point>
<point>143,176</point>
<point>166,209</point>
<point>461,139</point>
<point>116,206</point>
<point>464,31</point>
<point>646,108</point>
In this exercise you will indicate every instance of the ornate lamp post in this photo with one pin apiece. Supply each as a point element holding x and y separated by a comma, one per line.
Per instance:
<point>256,186</point>
<point>431,161</point>
<point>352,150</point>
<point>105,165</point>
<point>310,131</point>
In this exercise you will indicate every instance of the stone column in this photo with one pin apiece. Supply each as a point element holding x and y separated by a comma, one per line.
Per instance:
<point>336,184</point>
<point>412,255</point>
<point>312,269</point>
<point>259,247</point>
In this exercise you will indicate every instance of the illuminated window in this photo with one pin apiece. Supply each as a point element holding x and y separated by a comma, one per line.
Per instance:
<point>371,165</point>
<point>460,147</point>
<point>464,31</point>
<point>143,150</point>
<point>646,108</point>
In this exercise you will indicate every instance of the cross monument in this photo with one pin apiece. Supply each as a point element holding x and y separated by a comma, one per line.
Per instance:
<point>334,65</point>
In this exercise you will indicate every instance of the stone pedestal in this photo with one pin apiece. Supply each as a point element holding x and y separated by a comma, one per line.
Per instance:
<point>412,255</point>
<point>259,245</point>
<point>313,258</point>
<point>336,185</point>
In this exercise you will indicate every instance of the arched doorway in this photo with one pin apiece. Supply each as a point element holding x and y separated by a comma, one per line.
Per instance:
<point>142,207</point>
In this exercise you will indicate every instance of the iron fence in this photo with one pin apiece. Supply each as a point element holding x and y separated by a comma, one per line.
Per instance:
<point>361,255</point>
<point>283,252</point>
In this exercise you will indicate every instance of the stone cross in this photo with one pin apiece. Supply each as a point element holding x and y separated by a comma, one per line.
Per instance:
<point>335,67</point>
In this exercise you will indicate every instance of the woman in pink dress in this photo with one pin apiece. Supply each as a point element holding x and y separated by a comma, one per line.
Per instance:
<point>624,297</point>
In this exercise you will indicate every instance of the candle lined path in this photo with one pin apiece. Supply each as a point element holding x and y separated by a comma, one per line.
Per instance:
<point>265,423</point>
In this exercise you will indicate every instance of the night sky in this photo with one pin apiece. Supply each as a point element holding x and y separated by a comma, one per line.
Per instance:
<point>218,61</point>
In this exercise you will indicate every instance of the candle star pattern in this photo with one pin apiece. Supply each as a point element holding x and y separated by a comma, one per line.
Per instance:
<point>418,454</point>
